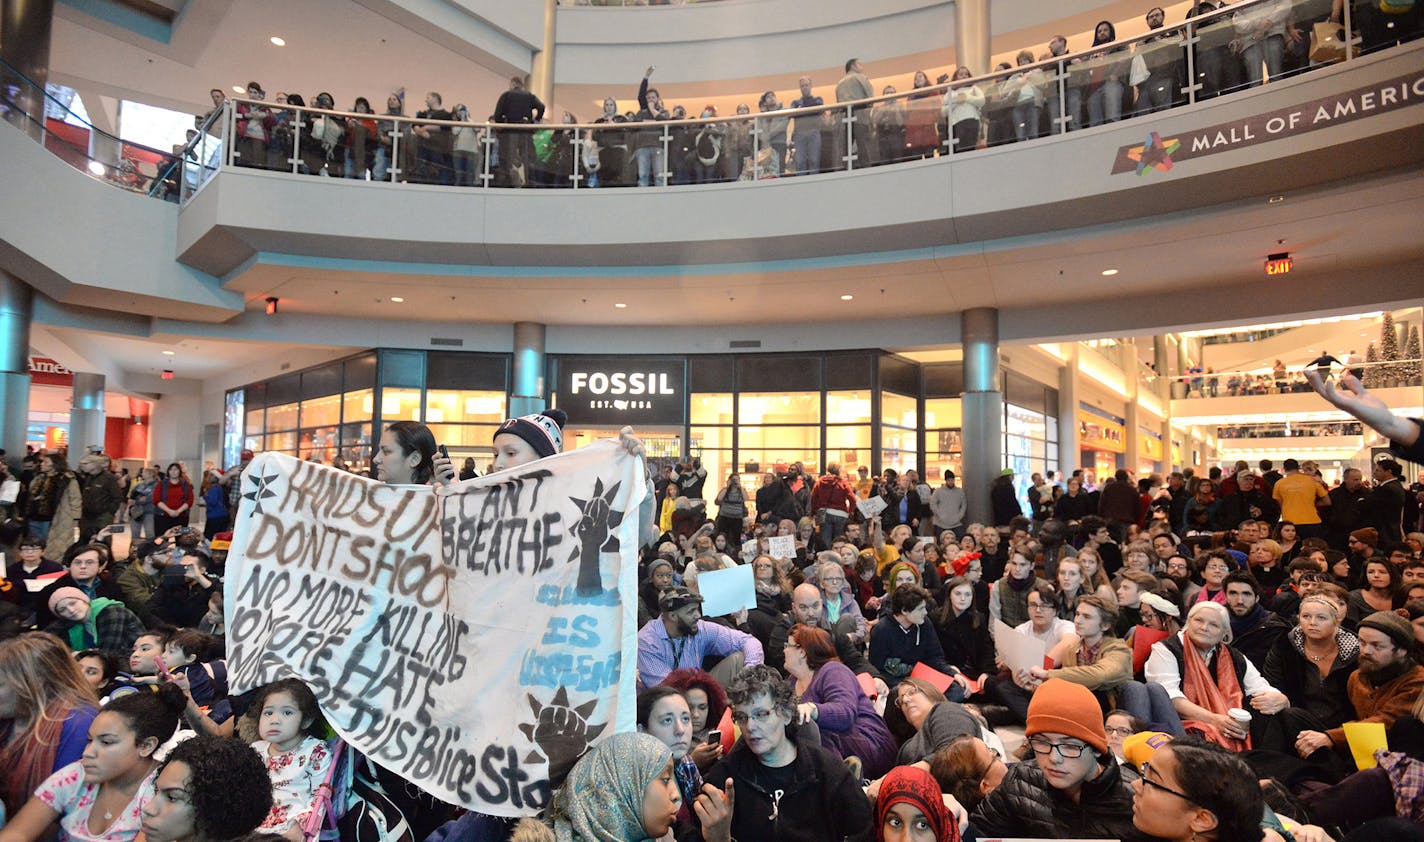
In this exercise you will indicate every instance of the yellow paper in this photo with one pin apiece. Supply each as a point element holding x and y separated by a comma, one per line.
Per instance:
<point>1364,739</point>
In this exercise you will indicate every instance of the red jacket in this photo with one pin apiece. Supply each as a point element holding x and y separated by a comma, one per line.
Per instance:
<point>832,492</point>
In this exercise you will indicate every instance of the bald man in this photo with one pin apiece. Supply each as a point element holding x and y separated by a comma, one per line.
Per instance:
<point>806,609</point>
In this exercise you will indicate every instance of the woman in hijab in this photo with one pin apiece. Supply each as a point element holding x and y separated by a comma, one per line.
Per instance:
<point>623,790</point>
<point>909,808</point>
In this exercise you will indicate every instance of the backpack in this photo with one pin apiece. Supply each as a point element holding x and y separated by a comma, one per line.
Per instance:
<point>363,811</point>
<point>217,673</point>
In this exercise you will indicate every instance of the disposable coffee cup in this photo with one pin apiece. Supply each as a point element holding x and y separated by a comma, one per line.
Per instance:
<point>1242,717</point>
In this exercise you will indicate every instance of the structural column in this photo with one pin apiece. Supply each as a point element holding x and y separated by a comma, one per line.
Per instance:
<point>982,408</point>
<point>1132,438</point>
<point>527,396</point>
<point>24,45</point>
<point>541,75</point>
<point>1068,414</point>
<point>86,417</point>
<point>16,312</point>
<point>971,35</point>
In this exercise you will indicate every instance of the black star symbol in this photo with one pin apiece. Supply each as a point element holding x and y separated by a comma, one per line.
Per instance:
<point>261,490</point>
<point>594,530</point>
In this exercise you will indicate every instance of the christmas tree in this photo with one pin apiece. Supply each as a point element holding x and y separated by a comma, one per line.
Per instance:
<point>1410,368</point>
<point>1389,351</point>
<point>1372,372</point>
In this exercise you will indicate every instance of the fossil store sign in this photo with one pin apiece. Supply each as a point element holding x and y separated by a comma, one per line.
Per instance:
<point>622,390</point>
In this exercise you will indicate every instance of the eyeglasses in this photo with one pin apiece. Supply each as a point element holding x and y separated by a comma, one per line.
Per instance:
<point>1119,732</point>
<point>761,717</point>
<point>1068,751</point>
<point>906,693</point>
<point>1147,770</point>
<point>1039,606</point>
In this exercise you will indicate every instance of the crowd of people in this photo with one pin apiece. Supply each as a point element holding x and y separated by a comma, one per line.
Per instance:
<point>1103,82</point>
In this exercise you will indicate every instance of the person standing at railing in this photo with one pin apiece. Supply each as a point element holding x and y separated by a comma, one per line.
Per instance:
<point>737,144</point>
<point>432,144</point>
<point>254,124</point>
<point>1163,61</point>
<point>1105,80</point>
<point>806,131</point>
<point>385,134</point>
<point>612,169</point>
<point>360,141</point>
<point>1029,98</point>
<point>888,119</point>
<point>1072,97</point>
<point>467,149</point>
<point>219,97</point>
<point>1382,23</point>
<point>961,108</point>
<point>854,85</point>
<point>648,143</point>
<point>1217,67</point>
<point>771,163</point>
<point>516,148</point>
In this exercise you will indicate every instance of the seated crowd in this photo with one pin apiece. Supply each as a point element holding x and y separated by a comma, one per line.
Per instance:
<point>1194,685</point>
<point>1102,83</point>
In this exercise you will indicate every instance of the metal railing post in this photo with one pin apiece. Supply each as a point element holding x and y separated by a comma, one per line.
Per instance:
<point>576,147</point>
<point>298,122</point>
<point>1192,84</point>
<point>666,175</point>
<point>489,143</point>
<point>229,131</point>
<point>849,157</point>
<point>1350,39</point>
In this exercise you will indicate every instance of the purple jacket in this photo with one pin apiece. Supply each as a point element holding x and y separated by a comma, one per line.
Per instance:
<point>848,721</point>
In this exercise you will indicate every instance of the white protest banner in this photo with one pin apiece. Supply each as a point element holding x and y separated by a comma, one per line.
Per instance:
<point>1018,650</point>
<point>872,507</point>
<point>781,546</point>
<point>749,551</point>
<point>475,639</point>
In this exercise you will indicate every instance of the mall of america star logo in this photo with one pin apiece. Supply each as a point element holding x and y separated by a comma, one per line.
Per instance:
<point>1155,154</point>
<point>261,489</point>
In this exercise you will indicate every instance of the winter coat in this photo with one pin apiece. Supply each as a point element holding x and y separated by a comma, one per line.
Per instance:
<point>824,804</point>
<point>1289,670</point>
<point>1025,805</point>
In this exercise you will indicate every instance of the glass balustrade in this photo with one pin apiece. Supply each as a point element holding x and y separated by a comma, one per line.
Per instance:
<point>1384,374</point>
<point>1238,47</point>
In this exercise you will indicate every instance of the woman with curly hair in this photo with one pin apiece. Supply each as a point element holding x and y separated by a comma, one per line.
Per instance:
<point>209,789</point>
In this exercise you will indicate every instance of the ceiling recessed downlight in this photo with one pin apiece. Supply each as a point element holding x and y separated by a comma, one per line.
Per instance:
<point>847,297</point>
<point>238,89</point>
<point>170,353</point>
<point>621,306</point>
<point>96,168</point>
<point>396,299</point>
<point>278,40</point>
<point>1108,273</point>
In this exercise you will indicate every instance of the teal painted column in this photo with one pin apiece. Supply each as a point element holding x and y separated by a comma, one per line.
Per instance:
<point>16,313</point>
<point>527,395</point>
<point>86,417</point>
<point>983,410</point>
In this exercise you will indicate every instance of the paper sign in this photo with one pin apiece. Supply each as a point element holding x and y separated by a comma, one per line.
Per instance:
<point>726,590</point>
<point>781,546</point>
<point>1365,738</point>
<point>1016,649</point>
<point>475,638</point>
<point>39,583</point>
<point>749,551</point>
<point>867,684</point>
<point>1142,640</point>
<point>940,681</point>
<point>872,507</point>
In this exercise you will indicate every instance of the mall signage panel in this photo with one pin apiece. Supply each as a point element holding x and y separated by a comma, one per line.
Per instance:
<point>623,390</point>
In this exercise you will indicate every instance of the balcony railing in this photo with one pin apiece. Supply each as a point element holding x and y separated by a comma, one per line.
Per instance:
<point>1239,47</point>
<point>1230,384</point>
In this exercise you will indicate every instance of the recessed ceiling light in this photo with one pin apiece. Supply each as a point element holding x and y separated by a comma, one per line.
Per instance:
<point>278,40</point>
<point>847,297</point>
<point>96,168</point>
<point>1108,273</point>
<point>396,299</point>
<point>169,353</point>
<point>238,89</point>
<point>621,306</point>
<point>1276,200</point>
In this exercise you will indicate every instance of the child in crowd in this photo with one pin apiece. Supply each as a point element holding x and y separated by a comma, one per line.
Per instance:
<point>98,798</point>
<point>188,652</point>
<point>100,669</point>
<point>297,761</point>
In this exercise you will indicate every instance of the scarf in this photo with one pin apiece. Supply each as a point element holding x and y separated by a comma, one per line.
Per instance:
<point>1241,625</point>
<point>602,799</point>
<point>916,787</point>
<point>689,783</point>
<point>1217,695</point>
<point>1204,595</point>
<point>85,635</point>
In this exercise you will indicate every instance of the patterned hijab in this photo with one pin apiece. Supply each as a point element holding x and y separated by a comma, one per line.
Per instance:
<point>602,799</point>
<point>916,787</point>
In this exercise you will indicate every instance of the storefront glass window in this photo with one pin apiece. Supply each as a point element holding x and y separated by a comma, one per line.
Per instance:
<point>282,417</point>
<point>899,449</point>
<point>359,405</point>
<point>282,442</point>
<point>356,446</point>
<point>400,405</point>
<point>899,410</point>
<point>780,408</point>
<point>943,414</point>
<point>712,408</point>
<point>319,443</point>
<point>253,424</point>
<point>711,437</point>
<point>789,438</point>
<point>848,407</point>
<point>463,406</point>
<point>321,411</point>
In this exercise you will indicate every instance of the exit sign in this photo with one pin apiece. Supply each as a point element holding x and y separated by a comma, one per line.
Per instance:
<point>1279,264</point>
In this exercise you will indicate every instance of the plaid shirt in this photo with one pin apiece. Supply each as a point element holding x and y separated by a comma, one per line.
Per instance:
<point>1406,777</point>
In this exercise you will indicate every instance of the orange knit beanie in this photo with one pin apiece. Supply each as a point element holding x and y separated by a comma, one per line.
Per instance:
<point>1062,707</point>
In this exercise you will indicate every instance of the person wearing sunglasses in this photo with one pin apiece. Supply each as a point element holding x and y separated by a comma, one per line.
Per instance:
<point>1195,790</point>
<point>1074,789</point>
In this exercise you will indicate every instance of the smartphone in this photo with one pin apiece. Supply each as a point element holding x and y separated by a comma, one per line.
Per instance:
<point>443,451</point>
<point>173,574</point>
<point>714,738</point>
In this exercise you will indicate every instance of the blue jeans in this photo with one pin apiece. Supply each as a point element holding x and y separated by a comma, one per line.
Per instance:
<point>1025,121</point>
<point>1270,51</point>
<point>1074,97</point>
<point>380,168</point>
<point>1149,702</point>
<point>465,165</point>
<point>808,152</point>
<point>40,529</point>
<point>1105,104</point>
<point>651,162</point>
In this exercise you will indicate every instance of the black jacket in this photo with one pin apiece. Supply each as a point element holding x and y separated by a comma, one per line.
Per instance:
<point>850,654</point>
<point>1258,640</point>
<point>1026,805</point>
<point>968,642</point>
<point>1384,510</point>
<point>1289,670</point>
<point>914,509</point>
<point>775,503</point>
<point>824,804</point>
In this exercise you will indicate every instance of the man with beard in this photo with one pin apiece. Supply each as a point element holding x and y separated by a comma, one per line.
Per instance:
<point>1254,630</point>
<point>1247,502</point>
<point>1347,501</point>
<point>806,610</point>
<point>679,638</point>
<point>1383,689</point>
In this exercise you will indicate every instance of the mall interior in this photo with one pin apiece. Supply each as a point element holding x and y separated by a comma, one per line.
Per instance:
<point>1138,293</point>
